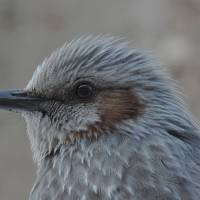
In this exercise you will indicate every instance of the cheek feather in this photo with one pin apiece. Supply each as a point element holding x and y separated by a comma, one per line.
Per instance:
<point>113,107</point>
<point>117,105</point>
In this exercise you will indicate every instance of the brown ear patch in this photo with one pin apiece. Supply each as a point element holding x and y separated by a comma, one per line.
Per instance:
<point>117,105</point>
<point>113,107</point>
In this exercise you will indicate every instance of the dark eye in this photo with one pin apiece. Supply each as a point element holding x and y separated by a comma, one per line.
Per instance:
<point>84,91</point>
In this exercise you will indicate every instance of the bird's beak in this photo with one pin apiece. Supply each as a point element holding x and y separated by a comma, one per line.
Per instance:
<point>18,100</point>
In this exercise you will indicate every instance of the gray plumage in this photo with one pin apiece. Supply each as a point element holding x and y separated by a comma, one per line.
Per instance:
<point>150,153</point>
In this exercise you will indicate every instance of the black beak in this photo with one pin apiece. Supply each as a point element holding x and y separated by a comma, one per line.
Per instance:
<point>19,100</point>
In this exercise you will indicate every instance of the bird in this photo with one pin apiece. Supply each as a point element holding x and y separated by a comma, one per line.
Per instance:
<point>107,122</point>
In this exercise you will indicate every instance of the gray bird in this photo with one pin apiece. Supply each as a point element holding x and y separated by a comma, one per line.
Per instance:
<point>105,123</point>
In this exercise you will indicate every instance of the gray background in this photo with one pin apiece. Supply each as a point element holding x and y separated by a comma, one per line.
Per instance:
<point>30,30</point>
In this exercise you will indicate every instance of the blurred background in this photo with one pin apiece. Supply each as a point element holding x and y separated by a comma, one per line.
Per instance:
<point>30,30</point>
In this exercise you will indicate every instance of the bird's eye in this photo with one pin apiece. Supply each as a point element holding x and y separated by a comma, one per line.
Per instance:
<point>84,91</point>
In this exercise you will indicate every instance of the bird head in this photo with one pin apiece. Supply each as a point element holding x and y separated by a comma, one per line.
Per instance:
<point>88,88</point>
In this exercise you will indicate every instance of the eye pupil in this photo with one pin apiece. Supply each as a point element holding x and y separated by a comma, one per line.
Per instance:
<point>84,91</point>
